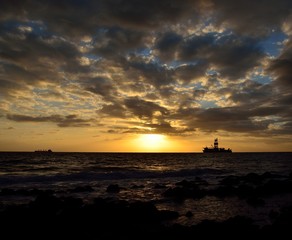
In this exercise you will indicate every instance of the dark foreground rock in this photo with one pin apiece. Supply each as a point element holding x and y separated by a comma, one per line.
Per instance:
<point>51,217</point>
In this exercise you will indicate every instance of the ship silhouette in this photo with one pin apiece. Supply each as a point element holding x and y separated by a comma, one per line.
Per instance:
<point>43,151</point>
<point>216,148</point>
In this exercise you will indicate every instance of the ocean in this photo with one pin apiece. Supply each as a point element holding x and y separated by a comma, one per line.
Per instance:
<point>149,177</point>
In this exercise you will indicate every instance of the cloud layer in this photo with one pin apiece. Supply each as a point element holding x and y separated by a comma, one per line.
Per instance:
<point>172,67</point>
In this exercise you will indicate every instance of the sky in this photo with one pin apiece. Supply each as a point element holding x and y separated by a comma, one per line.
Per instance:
<point>145,76</point>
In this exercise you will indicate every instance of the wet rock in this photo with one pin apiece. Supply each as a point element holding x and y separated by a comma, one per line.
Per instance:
<point>241,225</point>
<point>253,178</point>
<point>82,189</point>
<point>255,202</point>
<point>245,190</point>
<point>184,192</point>
<point>285,217</point>
<point>273,187</point>
<point>187,184</point>
<point>223,191</point>
<point>143,212</point>
<point>273,214</point>
<point>167,215</point>
<point>159,186</point>
<point>201,181</point>
<point>189,214</point>
<point>137,186</point>
<point>113,188</point>
<point>269,175</point>
<point>230,180</point>
<point>7,191</point>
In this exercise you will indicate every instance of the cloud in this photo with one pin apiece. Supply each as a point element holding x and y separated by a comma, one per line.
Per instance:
<point>281,66</point>
<point>61,121</point>
<point>100,86</point>
<point>143,109</point>
<point>170,66</point>
<point>257,18</point>
<point>166,45</point>
<point>231,56</point>
<point>79,18</point>
<point>234,57</point>
<point>190,72</point>
<point>166,128</point>
<point>227,119</point>
<point>9,88</point>
<point>147,14</point>
<point>251,92</point>
<point>113,110</point>
<point>113,41</point>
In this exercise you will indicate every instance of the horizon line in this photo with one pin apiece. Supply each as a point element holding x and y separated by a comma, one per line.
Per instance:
<point>33,151</point>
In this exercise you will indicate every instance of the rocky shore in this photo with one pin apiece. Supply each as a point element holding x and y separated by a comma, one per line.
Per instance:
<point>50,215</point>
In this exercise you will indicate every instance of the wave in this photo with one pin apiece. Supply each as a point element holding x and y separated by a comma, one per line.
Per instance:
<point>108,175</point>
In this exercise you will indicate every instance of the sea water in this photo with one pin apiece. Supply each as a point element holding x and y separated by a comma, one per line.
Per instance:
<point>140,176</point>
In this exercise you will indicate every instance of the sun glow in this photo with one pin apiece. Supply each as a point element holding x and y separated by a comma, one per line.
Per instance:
<point>151,142</point>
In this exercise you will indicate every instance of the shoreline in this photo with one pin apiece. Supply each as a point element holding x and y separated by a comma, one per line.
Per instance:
<point>104,217</point>
<point>109,218</point>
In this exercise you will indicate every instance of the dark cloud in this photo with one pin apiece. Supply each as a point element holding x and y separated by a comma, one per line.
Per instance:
<point>113,110</point>
<point>18,74</point>
<point>101,86</point>
<point>9,88</point>
<point>228,119</point>
<point>256,18</point>
<point>196,47</point>
<point>281,67</point>
<point>230,55</point>
<point>77,18</point>
<point>166,92</point>
<point>83,17</point>
<point>166,128</point>
<point>29,57</point>
<point>251,92</point>
<point>234,57</point>
<point>251,119</point>
<point>166,45</point>
<point>172,55</point>
<point>142,108</point>
<point>157,128</point>
<point>284,99</point>
<point>265,111</point>
<point>61,121</point>
<point>189,72</point>
<point>25,42</point>
<point>148,14</point>
<point>110,42</point>
<point>199,93</point>
<point>73,18</point>
<point>153,73</point>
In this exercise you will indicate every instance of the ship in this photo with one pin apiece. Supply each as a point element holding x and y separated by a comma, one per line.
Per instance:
<point>216,148</point>
<point>43,151</point>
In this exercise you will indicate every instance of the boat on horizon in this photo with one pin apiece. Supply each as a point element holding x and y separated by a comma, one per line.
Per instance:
<point>43,151</point>
<point>216,149</point>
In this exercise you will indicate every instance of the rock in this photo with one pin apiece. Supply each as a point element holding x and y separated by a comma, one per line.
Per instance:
<point>113,188</point>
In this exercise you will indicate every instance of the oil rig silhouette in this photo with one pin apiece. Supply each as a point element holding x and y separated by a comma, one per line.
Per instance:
<point>216,148</point>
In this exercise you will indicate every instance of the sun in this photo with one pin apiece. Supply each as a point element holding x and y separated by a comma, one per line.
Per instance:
<point>151,142</point>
